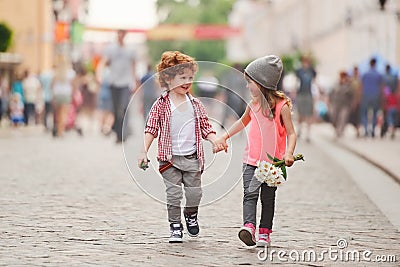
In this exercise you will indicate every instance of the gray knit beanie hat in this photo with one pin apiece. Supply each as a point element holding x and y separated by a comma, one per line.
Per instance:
<point>266,71</point>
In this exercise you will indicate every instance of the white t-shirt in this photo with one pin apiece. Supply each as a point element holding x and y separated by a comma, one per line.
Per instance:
<point>121,59</point>
<point>31,86</point>
<point>183,129</point>
<point>64,87</point>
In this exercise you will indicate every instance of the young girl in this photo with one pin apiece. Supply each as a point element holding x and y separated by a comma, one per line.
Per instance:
<point>271,131</point>
<point>16,110</point>
<point>180,121</point>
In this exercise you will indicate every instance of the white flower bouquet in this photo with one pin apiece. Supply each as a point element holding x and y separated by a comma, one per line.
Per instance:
<point>273,173</point>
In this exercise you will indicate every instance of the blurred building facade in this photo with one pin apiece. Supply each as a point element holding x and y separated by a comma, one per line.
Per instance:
<point>339,33</point>
<point>36,27</point>
<point>32,24</point>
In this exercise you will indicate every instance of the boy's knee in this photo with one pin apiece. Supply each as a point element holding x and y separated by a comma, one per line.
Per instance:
<point>174,197</point>
<point>194,193</point>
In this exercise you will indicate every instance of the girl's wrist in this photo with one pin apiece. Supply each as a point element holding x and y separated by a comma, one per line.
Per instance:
<point>225,136</point>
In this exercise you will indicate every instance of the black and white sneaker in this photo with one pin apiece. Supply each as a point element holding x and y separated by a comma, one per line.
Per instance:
<point>176,233</point>
<point>192,224</point>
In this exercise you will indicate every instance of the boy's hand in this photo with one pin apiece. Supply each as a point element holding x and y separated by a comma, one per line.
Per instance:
<point>143,162</point>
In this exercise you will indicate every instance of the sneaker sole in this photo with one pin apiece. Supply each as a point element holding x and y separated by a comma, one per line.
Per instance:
<point>175,240</point>
<point>245,237</point>
<point>191,235</point>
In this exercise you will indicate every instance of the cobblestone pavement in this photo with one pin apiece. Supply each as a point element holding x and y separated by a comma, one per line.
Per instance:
<point>71,202</point>
<point>381,152</point>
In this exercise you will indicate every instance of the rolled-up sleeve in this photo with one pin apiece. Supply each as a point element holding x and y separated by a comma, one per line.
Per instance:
<point>153,120</point>
<point>205,125</point>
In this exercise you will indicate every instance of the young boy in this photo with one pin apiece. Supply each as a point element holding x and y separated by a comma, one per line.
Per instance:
<point>180,122</point>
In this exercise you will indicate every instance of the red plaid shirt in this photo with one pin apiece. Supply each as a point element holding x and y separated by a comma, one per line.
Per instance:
<point>159,123</point>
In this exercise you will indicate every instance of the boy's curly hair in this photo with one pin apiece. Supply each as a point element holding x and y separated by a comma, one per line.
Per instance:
<point>173,63</point>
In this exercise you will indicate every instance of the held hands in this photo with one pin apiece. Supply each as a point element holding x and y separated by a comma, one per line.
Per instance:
<point>219,145</point>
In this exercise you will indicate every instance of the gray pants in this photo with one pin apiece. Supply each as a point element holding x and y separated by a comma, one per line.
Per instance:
<point>251,188</point>
<point>120,99</point>
<point>184,171</point>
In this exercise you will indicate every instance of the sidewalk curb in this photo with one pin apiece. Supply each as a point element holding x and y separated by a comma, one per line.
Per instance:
<point>394,176</point>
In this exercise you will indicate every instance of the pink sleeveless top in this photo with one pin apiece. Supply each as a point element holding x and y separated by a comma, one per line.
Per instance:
<point>265,135</point>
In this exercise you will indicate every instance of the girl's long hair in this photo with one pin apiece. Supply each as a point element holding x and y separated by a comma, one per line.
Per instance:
<point>269,99</point>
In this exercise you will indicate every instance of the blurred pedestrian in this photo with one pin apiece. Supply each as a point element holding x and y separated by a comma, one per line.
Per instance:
<point>74,109</point>
<point>17,86</point>
<point>321,105</point>
<point>390,83</point>
<point>371,98</point>
<point>32,89</point>
<point>354,117</point>
<point>46,79</point>
<point>16,110</point>
<point>89,87</point>
<point>341,100</point>
<point>304,97</point>
<point>391,102</point>
<point>105,102</point>
<point>62,87</point>
<point>150,89</point>
<point>271,132</point>
<point>122,61</point>
<point>181,122</point>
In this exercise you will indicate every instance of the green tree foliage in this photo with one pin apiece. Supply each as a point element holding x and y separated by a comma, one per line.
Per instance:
<point>290,61</point>
<point>192,12</point>
<point>5,37</point>
<point>293,61</point>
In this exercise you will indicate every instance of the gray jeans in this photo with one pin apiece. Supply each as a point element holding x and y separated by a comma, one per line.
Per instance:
<point>251,188</point>
<point>184,171</point>
<point>120,98</point>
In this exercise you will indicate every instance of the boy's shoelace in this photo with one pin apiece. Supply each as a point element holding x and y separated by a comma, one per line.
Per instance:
<point>176,232</point>
<point>192,222</point>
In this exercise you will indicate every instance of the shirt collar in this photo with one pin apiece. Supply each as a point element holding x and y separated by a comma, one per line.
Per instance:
<point>165,94</point>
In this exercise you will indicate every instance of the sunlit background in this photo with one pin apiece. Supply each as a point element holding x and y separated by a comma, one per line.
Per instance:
<point>337,33</point>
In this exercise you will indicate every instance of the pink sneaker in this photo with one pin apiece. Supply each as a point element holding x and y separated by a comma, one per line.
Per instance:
<point>263,237</point>
<point>247,234</point>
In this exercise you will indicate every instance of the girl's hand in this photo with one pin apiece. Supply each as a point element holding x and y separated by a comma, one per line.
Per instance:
<point>219,145</point>
<point>289,159</point>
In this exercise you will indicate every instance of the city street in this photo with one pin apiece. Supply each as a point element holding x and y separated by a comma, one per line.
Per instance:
<point>79,79</point>
<point>72,202</point>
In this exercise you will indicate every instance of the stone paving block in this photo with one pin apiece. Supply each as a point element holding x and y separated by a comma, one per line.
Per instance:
<point>76,205</point>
